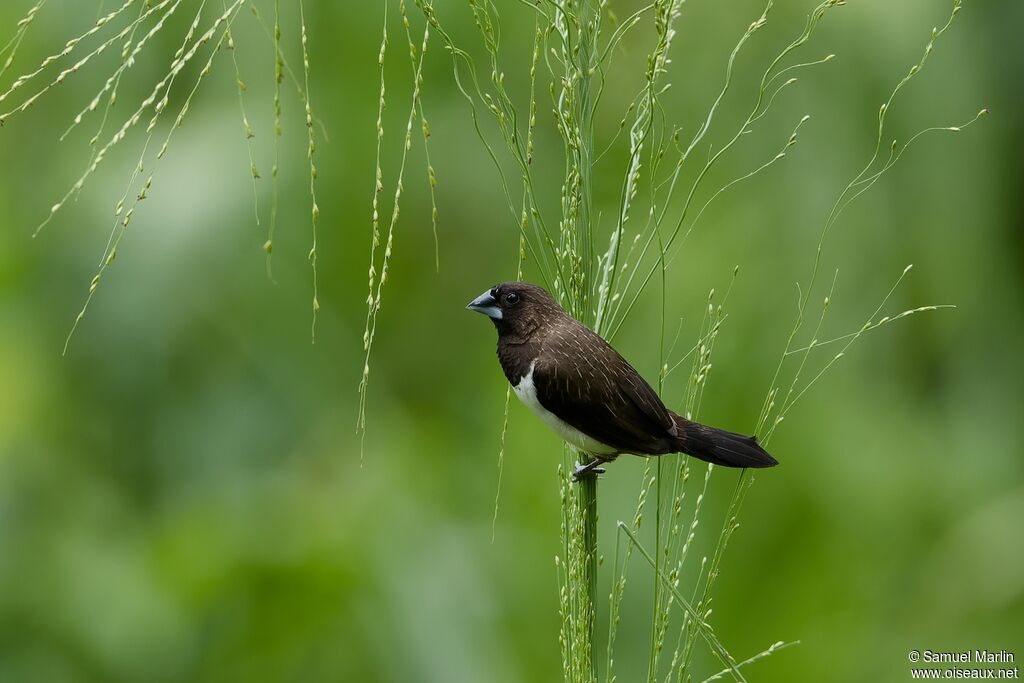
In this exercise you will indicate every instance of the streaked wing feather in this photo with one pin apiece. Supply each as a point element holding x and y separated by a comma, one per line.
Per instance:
<point>586,383</point>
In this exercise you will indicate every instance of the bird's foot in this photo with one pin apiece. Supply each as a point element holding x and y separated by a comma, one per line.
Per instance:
<point>590,469</point>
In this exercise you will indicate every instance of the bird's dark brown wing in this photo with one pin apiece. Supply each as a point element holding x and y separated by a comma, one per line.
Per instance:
<point>586,383</point>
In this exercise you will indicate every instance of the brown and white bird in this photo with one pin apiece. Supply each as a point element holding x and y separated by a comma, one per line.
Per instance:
<point>579,386</point>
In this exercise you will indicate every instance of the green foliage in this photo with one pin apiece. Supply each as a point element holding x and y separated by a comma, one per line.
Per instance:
<point>181,496</point>
<point>152,21</point>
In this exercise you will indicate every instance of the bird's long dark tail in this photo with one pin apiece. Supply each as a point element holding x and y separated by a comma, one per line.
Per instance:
<point>720,447</point>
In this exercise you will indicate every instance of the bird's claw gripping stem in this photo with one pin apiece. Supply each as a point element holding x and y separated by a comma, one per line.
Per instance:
<point>590,469</point>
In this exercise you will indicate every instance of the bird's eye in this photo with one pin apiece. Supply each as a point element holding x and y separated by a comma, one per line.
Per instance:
<point>511,298</point>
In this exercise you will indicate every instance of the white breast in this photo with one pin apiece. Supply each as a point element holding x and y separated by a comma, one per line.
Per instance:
<point>527,393</point>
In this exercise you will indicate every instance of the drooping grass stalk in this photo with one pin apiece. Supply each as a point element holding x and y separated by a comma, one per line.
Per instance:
<point>11,47</point>
<point>247,129</point>
<point>122,217</point>
<point>416,59</point>
<point>68,49</point>
<point>311,155</point>
<point>268,246</point>
<point>375,297</point>
<point>127,61</point>
<point>378,188</point>
<point>282,68</point>
<point>524,223</point>
<point>424,124</point>
<point>74,68</point>
<point>540,244</point>
<point>128,54</point>
<point>157,99</point>
<point>123,29</point>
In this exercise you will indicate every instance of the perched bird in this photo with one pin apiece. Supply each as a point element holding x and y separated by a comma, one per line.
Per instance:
<point>578,385</point>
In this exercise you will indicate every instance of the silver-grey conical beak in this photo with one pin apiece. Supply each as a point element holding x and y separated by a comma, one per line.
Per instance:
<point>486,304</point>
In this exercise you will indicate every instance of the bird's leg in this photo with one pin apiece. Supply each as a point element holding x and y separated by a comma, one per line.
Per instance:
<point>590,469</point>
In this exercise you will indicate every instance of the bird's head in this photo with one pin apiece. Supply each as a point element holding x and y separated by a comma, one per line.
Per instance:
<point>516,308</point>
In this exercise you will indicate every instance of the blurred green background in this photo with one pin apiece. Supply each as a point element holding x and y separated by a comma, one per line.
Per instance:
<point>182,495</point>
